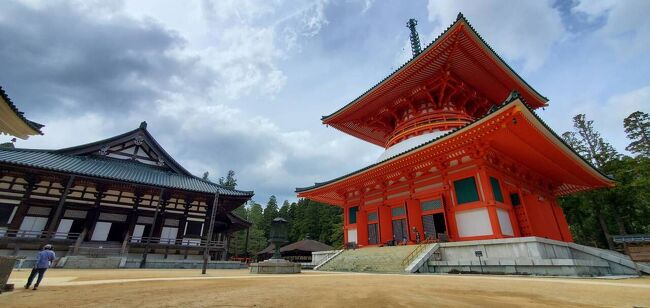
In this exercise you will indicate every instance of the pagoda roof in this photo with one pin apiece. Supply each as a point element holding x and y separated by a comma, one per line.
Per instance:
<point>13,121</point>
<point>590,176</point>
<point>88,161</point>
<point>461,51</point>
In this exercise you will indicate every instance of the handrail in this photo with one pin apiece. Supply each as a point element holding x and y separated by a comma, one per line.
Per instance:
<point>444,120</point>
<point>196,242</point>
<point>416,252</point>
<point>39,234</point>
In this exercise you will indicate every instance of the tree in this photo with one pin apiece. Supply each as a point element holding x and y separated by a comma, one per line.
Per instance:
<point>229,181</point>
<point>270,213</point>
<point>637,128</point>
<point>587,142</point>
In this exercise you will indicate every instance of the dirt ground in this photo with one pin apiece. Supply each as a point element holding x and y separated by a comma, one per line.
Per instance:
<point>237,288</point>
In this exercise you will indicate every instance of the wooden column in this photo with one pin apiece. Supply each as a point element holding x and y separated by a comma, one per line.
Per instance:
<point>490,203</point>
<point>224,256</point>
<point>143,262</point>
<point>246,242</point>
<point>23,206</point>
<point>362,226</point>
<point>183,223</point>
<point>54,222</point>
<point>91,219</point>
<point>133,219</point>
<point>385,219</point>
<point>213,216</point>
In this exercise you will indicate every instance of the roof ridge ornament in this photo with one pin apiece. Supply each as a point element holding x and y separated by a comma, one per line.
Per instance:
<point>460,16</point>
<point>143,125</point>
<point>415,38</point>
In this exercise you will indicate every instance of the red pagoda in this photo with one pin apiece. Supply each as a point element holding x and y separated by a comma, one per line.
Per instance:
<point>466,156</point>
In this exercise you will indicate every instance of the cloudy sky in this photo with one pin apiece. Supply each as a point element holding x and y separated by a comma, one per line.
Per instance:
<point>242,84</point>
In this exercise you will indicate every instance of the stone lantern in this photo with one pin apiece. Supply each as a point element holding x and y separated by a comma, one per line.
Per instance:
<point>276,265</point>
<point>278,235</point>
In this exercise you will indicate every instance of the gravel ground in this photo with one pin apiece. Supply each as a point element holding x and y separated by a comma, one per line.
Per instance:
<point>237,288</point>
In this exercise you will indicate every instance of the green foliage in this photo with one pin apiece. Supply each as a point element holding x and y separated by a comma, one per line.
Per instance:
<point>637,128</point>
<point>229,181</point>
<point>588,142</point>
<point>307,219</point>
<point>624,208</point>
<point>270,213</point>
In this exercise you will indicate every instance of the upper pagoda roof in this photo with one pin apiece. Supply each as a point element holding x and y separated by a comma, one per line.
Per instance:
<point>459,50</point>
<point>132,157</point>
<point>534,138</point>
<point>13,122</point>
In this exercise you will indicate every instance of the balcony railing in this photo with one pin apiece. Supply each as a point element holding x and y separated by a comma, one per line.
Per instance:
<point>27,234</point>
<point>181,242</point>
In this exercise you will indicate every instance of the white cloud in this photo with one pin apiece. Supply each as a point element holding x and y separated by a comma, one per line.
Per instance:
<point>523,31</point>
<point>627,26</point>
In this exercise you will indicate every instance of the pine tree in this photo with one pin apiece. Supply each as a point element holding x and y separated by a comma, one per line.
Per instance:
<point>590,143</point>
<point>637,128</point>
<point>587,142</point>
<point>270,213</point>
<point>229,181</point>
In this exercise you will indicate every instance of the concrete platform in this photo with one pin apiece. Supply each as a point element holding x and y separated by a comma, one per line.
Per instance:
<point>529,256</point>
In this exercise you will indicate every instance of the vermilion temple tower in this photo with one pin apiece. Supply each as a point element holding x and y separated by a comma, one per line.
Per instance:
<point>466,157</point>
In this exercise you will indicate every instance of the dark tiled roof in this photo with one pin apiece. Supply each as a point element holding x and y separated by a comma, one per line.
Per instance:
<point>33,125</point>
<point>94,146</point>
<point>304,245</point>
<point>112,169</point>
<point>511,99</point>
<point>407,63</point>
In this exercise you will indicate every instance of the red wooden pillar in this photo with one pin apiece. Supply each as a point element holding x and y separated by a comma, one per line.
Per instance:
<point>489,201</point>
<point>345,222</point>
<point>385,224</point>
<point>561,221</point>
<point>415,219</point>
<point>362,227</point>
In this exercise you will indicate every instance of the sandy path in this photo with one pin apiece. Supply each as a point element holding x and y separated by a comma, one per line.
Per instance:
<point>237,288</point>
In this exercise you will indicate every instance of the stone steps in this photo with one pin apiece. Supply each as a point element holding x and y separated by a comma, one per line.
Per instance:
<point>370,259</point>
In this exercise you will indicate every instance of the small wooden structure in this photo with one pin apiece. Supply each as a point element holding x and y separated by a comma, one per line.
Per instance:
<point>637,246</point>
<point>297,252</point>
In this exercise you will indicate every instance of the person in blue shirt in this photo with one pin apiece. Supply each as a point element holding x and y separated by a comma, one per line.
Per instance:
<point>43,261</point>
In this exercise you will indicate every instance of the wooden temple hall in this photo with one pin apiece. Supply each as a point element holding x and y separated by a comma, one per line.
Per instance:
<point>119,196</point>
<point>466,157</point>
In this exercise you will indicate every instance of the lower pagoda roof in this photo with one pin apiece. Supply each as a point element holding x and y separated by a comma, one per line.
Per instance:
<point>569,165</point>
<point>13,122</point>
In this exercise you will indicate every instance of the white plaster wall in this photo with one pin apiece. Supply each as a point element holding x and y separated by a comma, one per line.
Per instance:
<point>504,221</point>
<point>352,235</point>
<point>473,223</point>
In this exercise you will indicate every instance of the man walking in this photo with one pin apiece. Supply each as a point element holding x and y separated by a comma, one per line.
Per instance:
<point>43,261</point>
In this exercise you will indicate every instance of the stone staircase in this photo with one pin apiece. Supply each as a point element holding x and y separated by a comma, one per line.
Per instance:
<point>370,259</point>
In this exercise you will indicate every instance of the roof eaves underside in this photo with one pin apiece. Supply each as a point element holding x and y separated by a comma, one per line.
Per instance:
<point>113,169</point>
<point>431,48</point>
<point>509,102</point>
<point>29,127</point>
